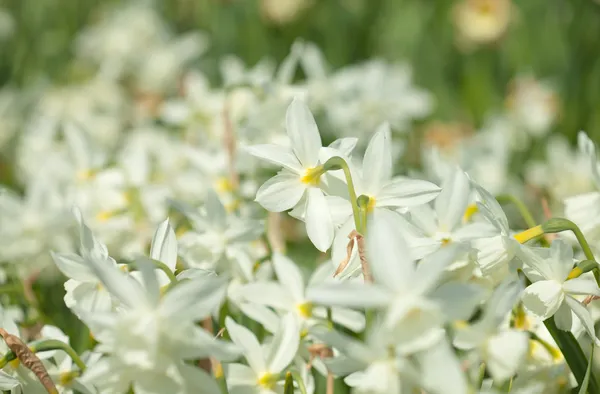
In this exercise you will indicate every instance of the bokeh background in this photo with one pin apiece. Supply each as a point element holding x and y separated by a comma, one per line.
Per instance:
<point>468,69</point>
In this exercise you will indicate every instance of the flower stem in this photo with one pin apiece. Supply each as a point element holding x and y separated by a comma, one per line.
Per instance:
<point>523,210</point>
<point>45,345</point>
<point>299,381</point>
<point>337,163</point>
<point>574,356</point>
<point>556,225</point>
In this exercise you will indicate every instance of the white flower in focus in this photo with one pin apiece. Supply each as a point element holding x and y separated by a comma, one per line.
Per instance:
<point>265,364</point>
<point>300,176</point>
<point>552,293</point>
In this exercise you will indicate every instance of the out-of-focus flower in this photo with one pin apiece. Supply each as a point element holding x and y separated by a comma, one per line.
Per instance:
<point>532,105</point>
<point>7,24</point>
<point>282,12</point>
<point>481,21</point>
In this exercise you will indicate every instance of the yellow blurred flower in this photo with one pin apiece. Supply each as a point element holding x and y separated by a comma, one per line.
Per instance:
<point>481,21</point>
<point>282,12</point>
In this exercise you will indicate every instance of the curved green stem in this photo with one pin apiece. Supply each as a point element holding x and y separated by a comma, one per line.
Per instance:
<point>337,163</point>
<point>161,266</point>
<point>45,345</point>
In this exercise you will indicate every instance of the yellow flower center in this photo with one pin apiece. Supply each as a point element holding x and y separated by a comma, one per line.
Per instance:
<point>312,176</point>
<point>371,204</point>
<point>267,380</point>
<point>84,175</point>
<point>66,378</point>
<point>305,309</point>
<point>469,212</point>
<point>446,241</point>
<point>223,185</point>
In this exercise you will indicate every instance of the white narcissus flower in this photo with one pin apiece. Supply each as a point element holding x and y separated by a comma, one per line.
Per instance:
<point>384,192</point>
<point>216,234</point>
<point>147,337</point>
<point>552,293</point>
<point>442,224</point>
<point>265,364</point>
<point>584,209</point>
<point>300,175</point>
<point>503,349</point>
<point>401,288</point>
<point>289,295</point>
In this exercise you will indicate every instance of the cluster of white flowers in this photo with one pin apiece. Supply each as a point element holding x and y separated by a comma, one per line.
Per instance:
<point>182,276</point>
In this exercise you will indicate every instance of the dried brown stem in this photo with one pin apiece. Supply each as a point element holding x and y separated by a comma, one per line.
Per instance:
<point>356,237</point>
<point>29,360</point>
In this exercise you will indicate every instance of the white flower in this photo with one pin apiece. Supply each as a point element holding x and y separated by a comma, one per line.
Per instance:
<point>264,364</point>
<point>289,295</point>
<point>401,287</point>
<point>552,293</point>
<point>300,176</point>
<point>384,192</point>
<point>502,349</point>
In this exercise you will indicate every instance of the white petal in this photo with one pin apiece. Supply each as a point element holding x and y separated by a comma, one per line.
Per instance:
<point>584,316</point>
<point>281,192</point>
<point>506,352</point>
<point>491,209</point>
<point>164,245</point>
<point>352,295</point>
<point>344,343</point>
<point>388,255</point>
<point>377,162</point>
<point>430,269</point>
<point>561,259</point>
<point>543,298</point>
<point>215,210</point>
<point>442,372</point>
<point>564,317</point>
<point>239,375</point>
<point>407,193</point>
<point>277,155</point>
<point>261,314</point>
<point>289,275</point>
<point>303,133</point>
<point>194,299</point>
<point>581,286</point>
<point>319,224</point>
<point>268,293</point>
<point>73,266</point>
<point>196,380</point>
<point>7,382</point>
<point>125,288</point>
<point>148,273</point>
<point>458,300</point>
<point>424,217</point>
<point>246,340</point>
<point>285,344</point>
<point>452,201</point>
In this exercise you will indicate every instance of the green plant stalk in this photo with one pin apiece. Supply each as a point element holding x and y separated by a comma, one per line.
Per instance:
<point>573,354</point>
<point>337,163</point>
<point>523,210</point>
<point>299,381</point>
<point>45,345</point>
<point>556,225</point>
<point>161,266</point>
<point>363,206</point>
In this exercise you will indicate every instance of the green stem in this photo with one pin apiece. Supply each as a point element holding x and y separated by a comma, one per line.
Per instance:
<point>574,356</point>
<point>363,206</point>
<point>161,266</point>
<point>45,345</point>
<point>337,163</point>
<point>299,381</point>
<point>523,210</point>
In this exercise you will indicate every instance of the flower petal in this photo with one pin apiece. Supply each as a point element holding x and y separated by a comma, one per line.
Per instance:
<point>164,245</point>
<point>352,295</point>
<point>452,201</point>
<point>319,224</point>
<point>303,132</point>
<point>289,275</point>
<point>281,192</point>
<point>284,346</point>
<point>406,192</point>
<point>275,154</point>
<point>543,298</point>
<point>506,353</point>
<point>581,286</point>
<point>246,340</point>
<point>377,162</point>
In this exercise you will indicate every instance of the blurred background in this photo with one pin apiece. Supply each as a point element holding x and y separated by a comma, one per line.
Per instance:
<point>465,52</point>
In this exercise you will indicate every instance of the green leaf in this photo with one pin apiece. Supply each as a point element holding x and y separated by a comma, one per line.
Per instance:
<point>586,379</point>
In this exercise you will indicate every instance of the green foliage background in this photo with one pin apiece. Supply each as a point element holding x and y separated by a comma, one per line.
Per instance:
<point>551,39</point>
